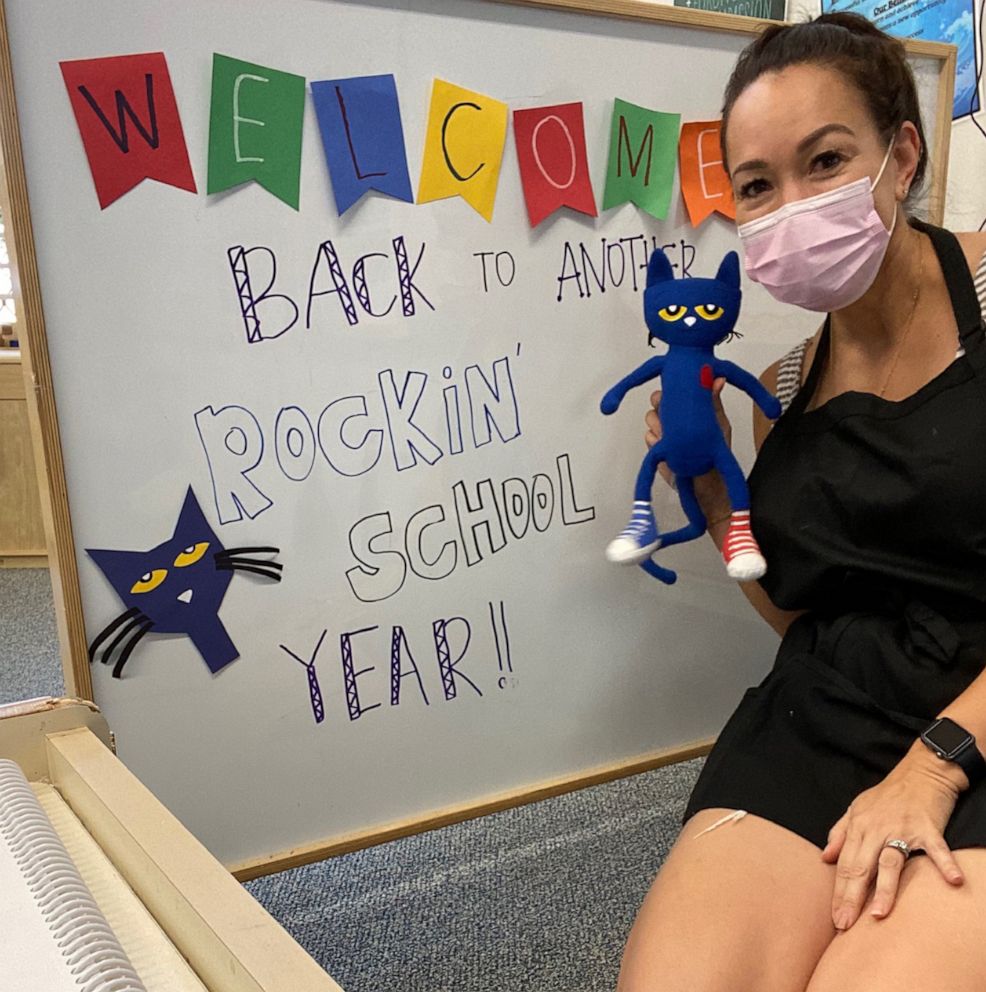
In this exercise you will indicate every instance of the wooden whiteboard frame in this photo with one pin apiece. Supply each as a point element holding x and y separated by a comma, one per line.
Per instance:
<point>43,414</point>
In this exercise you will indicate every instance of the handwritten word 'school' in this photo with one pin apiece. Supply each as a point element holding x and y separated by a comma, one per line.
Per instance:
<point>415,423</point>
<point>451,639</point>
<point>436,538</point>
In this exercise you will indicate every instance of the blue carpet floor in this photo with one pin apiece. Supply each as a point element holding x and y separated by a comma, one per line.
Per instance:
<point>535,899</point>
<point>29,662</point>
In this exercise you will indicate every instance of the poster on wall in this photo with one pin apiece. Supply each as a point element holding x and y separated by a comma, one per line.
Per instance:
<point>772,10</point>
<point>950,21</point>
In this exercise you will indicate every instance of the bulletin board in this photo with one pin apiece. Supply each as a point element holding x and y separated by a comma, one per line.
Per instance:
<point>396,389</point>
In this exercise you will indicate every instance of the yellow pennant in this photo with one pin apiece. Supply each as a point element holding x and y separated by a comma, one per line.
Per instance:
<point>463,147</point>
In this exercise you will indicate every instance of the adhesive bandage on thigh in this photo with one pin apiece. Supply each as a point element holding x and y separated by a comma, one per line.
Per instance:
<point>735,815</point>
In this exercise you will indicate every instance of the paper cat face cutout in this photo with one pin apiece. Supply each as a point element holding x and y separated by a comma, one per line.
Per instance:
<point>177,587</point>
<point>699,311</point>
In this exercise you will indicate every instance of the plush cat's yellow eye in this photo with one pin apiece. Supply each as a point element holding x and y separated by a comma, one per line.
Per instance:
<point>671,312</point>
<point>709,311</point>
<point>191,555</point>
<point>149,581</point>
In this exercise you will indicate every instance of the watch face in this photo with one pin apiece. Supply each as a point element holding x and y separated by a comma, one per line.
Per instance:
<point>948,736</point>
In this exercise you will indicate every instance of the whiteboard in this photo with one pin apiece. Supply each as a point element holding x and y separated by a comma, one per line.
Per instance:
<point>572,664</point>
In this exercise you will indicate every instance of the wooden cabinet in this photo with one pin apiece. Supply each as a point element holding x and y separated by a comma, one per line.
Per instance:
<point>22,539</point>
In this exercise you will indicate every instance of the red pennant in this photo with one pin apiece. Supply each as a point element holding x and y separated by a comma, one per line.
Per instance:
<point>554,168</point>
<point>128,118</point>
<point>704,183</point>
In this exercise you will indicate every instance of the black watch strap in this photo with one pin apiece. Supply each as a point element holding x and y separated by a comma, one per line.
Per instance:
<point>971,761</point>
<point>969,758</point>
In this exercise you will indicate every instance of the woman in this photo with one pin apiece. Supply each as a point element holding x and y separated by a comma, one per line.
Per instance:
<point>798,868</point>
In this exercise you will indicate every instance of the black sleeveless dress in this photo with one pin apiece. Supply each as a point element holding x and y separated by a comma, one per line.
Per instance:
<point>871,514</point>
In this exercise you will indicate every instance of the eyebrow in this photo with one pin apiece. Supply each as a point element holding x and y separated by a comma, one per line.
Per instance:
<point>803,145</point>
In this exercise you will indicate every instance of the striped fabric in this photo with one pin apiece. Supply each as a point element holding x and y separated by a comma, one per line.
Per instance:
<point>789,372</point>
<point>981,284</point>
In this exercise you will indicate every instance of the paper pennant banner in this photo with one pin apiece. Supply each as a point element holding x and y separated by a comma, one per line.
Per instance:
<point>463,147</point>
<point>255,127</point>
<point>642,150</point>
<point>128,118</point>
<point>360,123</point>
<point>554,167</point>
<point>704,183</point>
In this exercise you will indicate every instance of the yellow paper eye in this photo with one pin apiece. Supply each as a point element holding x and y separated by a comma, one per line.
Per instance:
<point>191,555</point>
<point>709,311</point>
<point>150,581</point>
<point>671,312</point>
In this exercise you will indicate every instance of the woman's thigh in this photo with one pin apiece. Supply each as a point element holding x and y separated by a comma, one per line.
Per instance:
<point>746,907</point>
<point>932,939</point>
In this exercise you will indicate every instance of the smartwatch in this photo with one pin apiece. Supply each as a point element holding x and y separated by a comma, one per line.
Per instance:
<point>954,743</point>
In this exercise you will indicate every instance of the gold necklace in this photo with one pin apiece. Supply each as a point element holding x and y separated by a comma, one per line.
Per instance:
<point>907,326</point>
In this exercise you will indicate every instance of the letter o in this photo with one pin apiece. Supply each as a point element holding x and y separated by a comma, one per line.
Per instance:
<point>293,436</point>
<point>571,146</point>
<point>542,501</point>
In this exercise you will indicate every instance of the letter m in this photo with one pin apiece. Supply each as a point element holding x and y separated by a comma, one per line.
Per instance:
<point>634,163</point>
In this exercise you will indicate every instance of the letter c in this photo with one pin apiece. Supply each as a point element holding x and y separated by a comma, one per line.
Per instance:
<point>448,159</point>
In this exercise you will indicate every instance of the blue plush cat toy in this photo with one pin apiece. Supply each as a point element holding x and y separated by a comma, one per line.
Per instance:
<point>692,316</point>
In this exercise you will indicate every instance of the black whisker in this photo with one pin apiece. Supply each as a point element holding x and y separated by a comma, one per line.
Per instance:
<point>125,656</point>
<point>134,623</point>
<point>276,565</point>
<point>247,551</point>
<point>276,576</point>
<point>108,629</point>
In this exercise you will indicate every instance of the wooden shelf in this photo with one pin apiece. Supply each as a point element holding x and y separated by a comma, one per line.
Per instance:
<point>22,538</point>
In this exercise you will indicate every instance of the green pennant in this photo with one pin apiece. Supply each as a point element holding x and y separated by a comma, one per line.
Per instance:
<point>255,127</point>
<point>643,149</point>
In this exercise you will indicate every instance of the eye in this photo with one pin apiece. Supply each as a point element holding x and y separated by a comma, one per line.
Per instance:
<point>709,311</point>
<point>827,160</point>
<point>150,580</point>
<point>191,555</point>
<point>753,188</point>
<point>671,312</point>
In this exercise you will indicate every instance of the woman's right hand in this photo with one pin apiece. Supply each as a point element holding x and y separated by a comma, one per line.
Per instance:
<point>710,490</point>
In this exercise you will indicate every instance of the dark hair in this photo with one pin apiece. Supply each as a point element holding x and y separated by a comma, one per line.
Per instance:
<point>874,62</point>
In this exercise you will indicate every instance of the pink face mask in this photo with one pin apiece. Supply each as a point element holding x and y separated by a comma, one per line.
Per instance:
<point>821,253</point>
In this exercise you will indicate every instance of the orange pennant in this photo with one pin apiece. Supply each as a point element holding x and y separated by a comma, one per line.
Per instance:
<point>704,183</point>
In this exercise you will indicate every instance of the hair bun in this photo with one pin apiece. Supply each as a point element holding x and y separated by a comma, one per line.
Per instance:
<point>873,62</point>
<point>855,23</point>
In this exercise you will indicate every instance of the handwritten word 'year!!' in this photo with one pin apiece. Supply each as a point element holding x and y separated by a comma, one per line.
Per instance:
<point>351,432</point>
<point>451,636</point>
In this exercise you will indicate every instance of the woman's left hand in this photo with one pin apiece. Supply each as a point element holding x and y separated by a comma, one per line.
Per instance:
<point>914,803</point>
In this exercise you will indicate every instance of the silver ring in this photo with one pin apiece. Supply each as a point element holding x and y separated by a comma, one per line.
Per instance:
<point>900,845</point>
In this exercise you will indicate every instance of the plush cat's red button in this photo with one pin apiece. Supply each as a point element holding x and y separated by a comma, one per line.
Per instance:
<point>705,376</point>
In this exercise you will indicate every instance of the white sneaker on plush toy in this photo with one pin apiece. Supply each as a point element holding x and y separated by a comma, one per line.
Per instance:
<point>638,540</point>
<point>740,550</point>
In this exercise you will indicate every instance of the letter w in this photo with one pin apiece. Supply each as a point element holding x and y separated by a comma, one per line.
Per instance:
<point>121,137</point>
